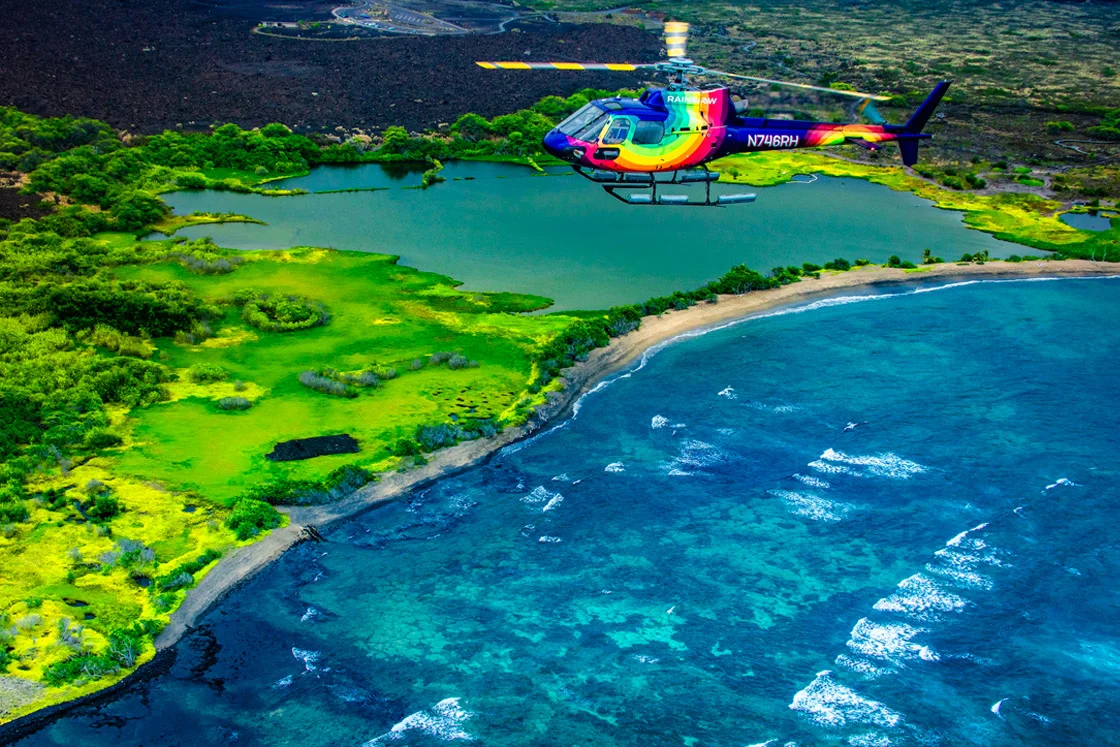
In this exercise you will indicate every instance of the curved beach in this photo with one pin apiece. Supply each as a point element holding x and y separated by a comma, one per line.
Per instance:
<point>242,563</point>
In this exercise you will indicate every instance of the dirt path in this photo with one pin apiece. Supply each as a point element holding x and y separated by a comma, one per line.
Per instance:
<point>241,564</point>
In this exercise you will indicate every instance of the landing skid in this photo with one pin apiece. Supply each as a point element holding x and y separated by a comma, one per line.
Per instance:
<point>613,181</point>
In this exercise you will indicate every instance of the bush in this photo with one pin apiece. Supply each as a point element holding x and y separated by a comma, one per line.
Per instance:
<point>894,261</point>
<point>207,374</point>
<point>326,385</point>
<point>809,267</point>
<point>862,262</point>
<point>1014,258</point>
<point>908,265</point>
<point>183,574</point>
<point>102,508</point>
<point>287,314</point>
<point>1059,126</point>
<point>839,263</point>
<point>250,517</point>
<point>234,403</point>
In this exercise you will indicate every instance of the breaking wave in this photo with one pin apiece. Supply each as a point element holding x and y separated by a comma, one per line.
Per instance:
<point>443,721</point>
<point>826,702</point>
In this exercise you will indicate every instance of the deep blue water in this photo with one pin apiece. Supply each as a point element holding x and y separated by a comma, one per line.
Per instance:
<point>705,557</point>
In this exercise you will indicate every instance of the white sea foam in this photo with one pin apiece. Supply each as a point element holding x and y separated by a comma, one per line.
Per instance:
<point>678,472</point>
<point>538,495</point>
<point>880,465</point>
<point>729,393</point>
<point>444,721</point>
<point>870,739</point>
<point>700,454</point>
<point>310,615</point>
<point>829,468</point>
<point>813,482</point>
<point>555,501</point>
<point>921,598</point>
<point>644,659</point>
<point>615,467</point>
<point>562,477</point>
<point>828,703</point>
<point>767,743</point>
<point>812,506</point>
<point>776,409</point>
<point>997,705</point>
<point>310,659</point>
<point>548,540</point>
<point>891,642</point>
<point>862,666</point>
<point>283,682</point>
<point>1062,481</point>
<point>659,421</point>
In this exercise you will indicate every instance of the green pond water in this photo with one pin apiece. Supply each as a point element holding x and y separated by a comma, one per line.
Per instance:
<point>501,227</point>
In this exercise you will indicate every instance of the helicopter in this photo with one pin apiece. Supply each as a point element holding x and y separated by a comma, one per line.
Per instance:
<point>623,144</point>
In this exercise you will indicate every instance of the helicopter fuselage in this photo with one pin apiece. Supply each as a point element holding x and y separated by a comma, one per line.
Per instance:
<point>669,129</point>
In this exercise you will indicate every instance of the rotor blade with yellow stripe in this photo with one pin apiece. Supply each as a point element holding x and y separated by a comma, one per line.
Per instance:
<point>804,86</point>
<point>610,66</point>
<point>676,38</point>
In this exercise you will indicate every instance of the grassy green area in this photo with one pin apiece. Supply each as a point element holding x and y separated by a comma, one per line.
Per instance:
<point>381,316</point>
<point>1023,218</point>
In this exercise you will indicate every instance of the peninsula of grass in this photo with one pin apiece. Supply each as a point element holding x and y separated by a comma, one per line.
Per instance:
<point>385,319</point>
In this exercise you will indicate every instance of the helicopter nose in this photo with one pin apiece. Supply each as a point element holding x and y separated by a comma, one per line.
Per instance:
<point>558,144</point>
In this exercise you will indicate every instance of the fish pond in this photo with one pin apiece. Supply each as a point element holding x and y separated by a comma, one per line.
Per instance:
<point>504,227</point>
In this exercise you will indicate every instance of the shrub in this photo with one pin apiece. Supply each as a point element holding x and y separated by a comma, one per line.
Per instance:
<point>839,263</point>
<point>250,517</point>
<point>326,385</point>
<point>287,314</point>
<point>966,257</point>
<point>1059,126</point>
<point>207,374</point>
<point>234,403</point>
<point>1014,258</point>
<point>102,508</point>
<point>183,574</point>
<point>101,438</point>
<point>862,262</point>
<point>79,668</point>
<point>809,267</point>
<point>908,265</point>
<point>894,261</point>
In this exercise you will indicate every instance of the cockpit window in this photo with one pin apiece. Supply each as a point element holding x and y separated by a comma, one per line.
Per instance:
<point>620,128</point>
<point>581,121</point>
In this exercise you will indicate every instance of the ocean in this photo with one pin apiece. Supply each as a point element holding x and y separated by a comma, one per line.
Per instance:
<point>884,519</point>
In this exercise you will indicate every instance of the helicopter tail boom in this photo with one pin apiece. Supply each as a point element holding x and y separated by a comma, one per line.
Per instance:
<point>910,134</point>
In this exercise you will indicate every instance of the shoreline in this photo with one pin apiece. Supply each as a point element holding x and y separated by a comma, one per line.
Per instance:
<point>242,564</point>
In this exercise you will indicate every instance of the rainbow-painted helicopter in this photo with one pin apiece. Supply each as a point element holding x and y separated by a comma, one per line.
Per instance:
<point>623,143</point>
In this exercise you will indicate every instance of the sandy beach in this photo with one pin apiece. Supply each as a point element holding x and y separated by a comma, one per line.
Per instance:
<point>241,564</point>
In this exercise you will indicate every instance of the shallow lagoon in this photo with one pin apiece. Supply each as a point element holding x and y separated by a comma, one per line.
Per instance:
<point>500,227</point>
<point>704,557</point>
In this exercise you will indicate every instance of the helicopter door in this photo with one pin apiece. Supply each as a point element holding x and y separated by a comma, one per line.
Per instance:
<point>649,133</point>
<point>615,136</point>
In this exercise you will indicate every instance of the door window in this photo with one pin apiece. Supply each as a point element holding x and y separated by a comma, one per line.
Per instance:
<point>649,133</point>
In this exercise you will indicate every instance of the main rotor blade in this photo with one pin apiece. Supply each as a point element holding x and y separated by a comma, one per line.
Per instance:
<point>805,86</point>
<point>612,66</point>
<point>676,38</point>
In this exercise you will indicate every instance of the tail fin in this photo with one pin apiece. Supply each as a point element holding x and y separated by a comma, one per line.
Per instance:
<point>925,111</point>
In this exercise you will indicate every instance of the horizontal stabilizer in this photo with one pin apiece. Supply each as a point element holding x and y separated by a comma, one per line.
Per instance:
<point>865,144</point>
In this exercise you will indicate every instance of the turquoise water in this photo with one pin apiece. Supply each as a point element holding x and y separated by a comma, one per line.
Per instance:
<point>704,556</point>
<point>502,228</point>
